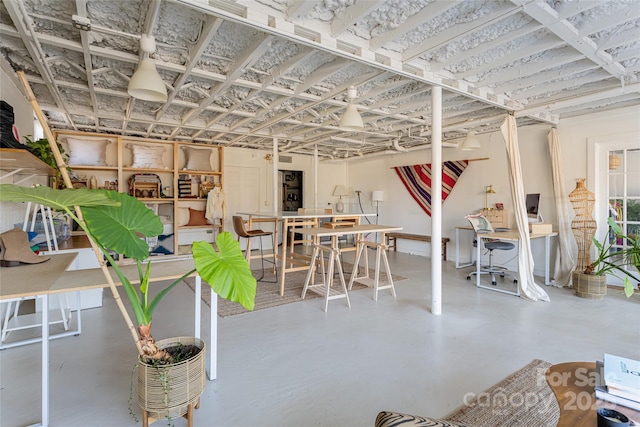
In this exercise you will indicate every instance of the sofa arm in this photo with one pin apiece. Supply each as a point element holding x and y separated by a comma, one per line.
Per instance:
<point>396,419</point>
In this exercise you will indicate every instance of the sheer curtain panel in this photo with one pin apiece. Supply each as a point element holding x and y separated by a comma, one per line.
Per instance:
<point>565,259</point>
<point>529,289</point>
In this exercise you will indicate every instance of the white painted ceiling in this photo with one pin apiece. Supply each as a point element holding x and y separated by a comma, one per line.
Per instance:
<point>241,73</point>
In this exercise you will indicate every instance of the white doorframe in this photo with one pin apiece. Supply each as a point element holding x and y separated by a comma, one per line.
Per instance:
<point>597,176</point>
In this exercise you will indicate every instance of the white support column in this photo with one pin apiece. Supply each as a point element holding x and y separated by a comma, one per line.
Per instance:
<point>436,201</point>
<point>315,176</point>
<point>276,202</point>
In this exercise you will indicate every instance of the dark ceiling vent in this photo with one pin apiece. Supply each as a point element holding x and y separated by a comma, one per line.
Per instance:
<point>285,159</point>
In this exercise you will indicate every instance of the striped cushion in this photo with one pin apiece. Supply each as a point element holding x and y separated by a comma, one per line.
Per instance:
<point>396,419</point>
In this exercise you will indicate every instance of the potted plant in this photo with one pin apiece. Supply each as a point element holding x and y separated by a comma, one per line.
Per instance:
<point>617,261</point>
<point>42,150</point>
<point>116,222</point>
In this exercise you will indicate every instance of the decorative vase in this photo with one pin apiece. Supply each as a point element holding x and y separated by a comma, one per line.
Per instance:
<point>93,183</point>
<point>589,286</point>
<point>173,390</point>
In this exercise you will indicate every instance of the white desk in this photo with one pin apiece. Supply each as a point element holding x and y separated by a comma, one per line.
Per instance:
<point>361,245</point>
<point>41,278</point>
<point>293,262</point>
<point>513,236</point>
<point>50,278</point>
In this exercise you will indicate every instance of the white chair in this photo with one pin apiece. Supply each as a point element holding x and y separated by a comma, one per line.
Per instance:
<point>481,225</point>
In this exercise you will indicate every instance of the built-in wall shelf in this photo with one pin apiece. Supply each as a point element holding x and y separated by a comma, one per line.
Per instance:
<point>23,162</point>
<point>168,176</point>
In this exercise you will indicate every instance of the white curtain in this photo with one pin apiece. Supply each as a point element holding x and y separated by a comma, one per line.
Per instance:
<point>565,258</point>
<point>528,288</point>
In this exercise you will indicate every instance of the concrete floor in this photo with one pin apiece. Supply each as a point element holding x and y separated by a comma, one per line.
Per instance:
<point>295,365</point>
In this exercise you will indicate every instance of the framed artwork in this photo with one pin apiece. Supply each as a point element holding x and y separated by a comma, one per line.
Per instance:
<point>499,206</point>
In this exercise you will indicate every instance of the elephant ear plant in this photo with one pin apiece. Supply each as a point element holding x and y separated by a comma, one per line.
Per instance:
<point>116,222</point>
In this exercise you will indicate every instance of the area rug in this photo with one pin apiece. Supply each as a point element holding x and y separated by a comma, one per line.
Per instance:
<point>268,294</point>
<point>522,399</point>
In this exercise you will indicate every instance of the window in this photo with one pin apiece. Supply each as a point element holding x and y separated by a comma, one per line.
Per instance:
<point>624,189</point>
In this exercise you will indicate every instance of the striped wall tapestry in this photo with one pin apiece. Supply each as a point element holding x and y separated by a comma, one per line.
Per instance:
<point>417,179</point>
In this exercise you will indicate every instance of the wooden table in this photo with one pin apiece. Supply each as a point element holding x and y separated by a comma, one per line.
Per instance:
<point>573,385</point>
<point>291,261</point>
<point>51,277</point>
<point>361,245</point>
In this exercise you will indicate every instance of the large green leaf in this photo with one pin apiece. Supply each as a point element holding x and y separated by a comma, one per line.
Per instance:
<point>119,228</point>
<point>58,199</point>
<point>226,271</point>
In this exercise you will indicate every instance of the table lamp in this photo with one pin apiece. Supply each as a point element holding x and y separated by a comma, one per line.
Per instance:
<point>489,190</point>
<point>340,191</point>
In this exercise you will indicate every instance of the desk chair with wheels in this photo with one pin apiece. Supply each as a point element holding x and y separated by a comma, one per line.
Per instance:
<point>481,225</point>
<point>491,268</point>
<point>238,226</point>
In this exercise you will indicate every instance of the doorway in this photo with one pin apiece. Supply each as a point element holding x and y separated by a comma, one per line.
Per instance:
<point>291,194</point>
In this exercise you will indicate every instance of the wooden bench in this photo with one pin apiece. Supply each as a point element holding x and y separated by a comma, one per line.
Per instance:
<point>393,237</point>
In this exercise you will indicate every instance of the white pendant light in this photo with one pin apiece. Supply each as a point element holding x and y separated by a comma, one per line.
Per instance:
<point>351,119</point>
<point>146,83</point>
<point>471,142</point>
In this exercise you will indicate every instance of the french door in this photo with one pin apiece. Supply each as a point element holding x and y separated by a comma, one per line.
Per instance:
<point>616,167</point>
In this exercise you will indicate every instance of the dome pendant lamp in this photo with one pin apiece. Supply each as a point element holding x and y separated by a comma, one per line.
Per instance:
<point>351,119</point>
<point>471,142</point>
<point>146,83</point>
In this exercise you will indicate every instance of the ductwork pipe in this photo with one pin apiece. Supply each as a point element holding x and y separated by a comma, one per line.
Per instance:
<point>397,147</point>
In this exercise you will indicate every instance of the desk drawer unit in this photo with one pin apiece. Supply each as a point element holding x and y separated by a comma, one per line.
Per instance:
<point>499,218</point>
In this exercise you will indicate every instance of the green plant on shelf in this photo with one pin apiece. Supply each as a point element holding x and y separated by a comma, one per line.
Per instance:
<point>42,150</point>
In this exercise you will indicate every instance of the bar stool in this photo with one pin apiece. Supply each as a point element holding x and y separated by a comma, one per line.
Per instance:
<point>238,226</point>
<point>325,288</point>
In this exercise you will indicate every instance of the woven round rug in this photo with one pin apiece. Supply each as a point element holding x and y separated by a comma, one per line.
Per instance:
<point>523,399</point>
<point>268,292</point>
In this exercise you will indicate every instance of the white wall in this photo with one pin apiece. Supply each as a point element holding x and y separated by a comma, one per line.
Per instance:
<point>468,196</point>
<point>258,173</point>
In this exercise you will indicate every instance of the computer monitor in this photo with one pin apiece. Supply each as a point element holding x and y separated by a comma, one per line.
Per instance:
<point>533,207</point>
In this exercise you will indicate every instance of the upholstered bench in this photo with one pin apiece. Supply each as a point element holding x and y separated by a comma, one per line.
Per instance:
<point>397,419</point>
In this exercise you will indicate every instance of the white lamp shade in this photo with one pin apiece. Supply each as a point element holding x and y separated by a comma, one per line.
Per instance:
<point>471,142</point>
<point>340,190</point>
<point>377,196</point>
<point>351,119</point>
<point>146,83</point>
